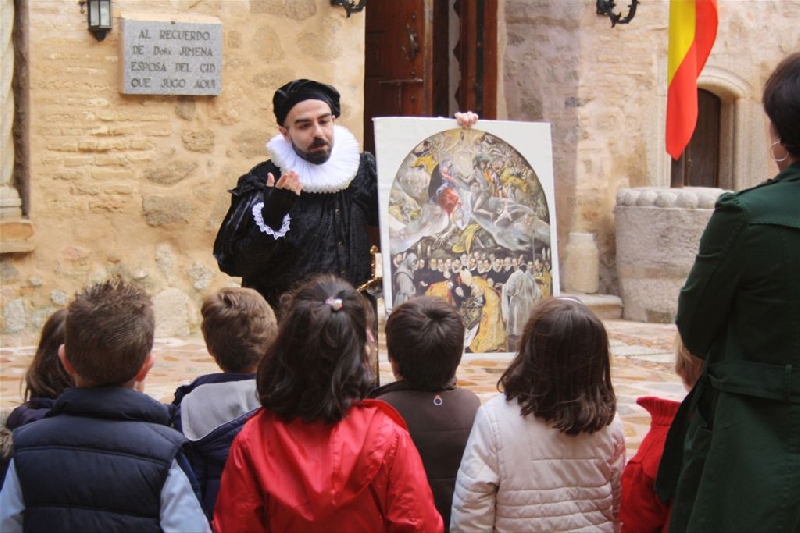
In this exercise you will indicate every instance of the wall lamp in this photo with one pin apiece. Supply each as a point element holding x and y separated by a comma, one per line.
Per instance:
<point>606,8</point>
<point>351,6</point>
<point>98,16</point>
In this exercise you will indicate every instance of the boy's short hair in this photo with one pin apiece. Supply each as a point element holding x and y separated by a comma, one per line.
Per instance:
<point>109,332</point>
<point>238,327</point>
<point>688,366</point>
<point>425,336</point>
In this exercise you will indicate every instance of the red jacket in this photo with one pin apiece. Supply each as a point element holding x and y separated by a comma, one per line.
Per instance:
<point>361,474</point>
<point>640,509</point>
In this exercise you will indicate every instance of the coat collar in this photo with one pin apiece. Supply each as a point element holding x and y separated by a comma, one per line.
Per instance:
<point>110,403</point>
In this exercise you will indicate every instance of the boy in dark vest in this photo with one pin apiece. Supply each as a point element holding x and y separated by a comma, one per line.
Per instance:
<point>104,458</point>
<point>425,340</point>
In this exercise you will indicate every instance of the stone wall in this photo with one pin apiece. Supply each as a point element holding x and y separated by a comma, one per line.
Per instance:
<point>137,185</point>
<point>604,89</point>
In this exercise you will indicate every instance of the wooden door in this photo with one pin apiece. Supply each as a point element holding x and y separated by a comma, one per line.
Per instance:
<point>698,166</point>
<point>398,62</point>
<point>408,58</point>
<point>476,52</point>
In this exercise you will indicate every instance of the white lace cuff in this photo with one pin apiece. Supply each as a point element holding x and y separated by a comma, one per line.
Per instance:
<point>259,218</point>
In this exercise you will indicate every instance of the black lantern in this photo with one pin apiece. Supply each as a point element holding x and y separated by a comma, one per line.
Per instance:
<point>99,17</point>
<point>351,6</point>
<point>606,8</point>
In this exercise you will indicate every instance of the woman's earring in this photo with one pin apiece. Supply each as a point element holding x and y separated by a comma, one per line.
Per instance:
<point>772,153</point>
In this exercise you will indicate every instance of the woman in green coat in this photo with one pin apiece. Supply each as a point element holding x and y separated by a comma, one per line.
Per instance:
<point>732,458</point>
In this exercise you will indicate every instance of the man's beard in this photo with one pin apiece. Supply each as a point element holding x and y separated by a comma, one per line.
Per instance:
<point>316,157</point>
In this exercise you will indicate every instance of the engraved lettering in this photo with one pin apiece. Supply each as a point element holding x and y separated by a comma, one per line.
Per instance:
<point>142,66</point>
<point>140,82</point>
<point>173,83</point>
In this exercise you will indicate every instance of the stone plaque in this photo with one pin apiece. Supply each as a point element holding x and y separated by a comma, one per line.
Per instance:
<point>168,55</point>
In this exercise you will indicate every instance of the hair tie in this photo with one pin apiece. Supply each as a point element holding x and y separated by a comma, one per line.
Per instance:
<point>335,303</point>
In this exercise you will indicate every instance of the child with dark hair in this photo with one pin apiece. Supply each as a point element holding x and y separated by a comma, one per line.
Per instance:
<point>46,378</point>
<point>425,339</point>
<point>319,457</point>
<point>641,509</point>
<point>104,459</point>
<point>238,327</point>
<point>547,454</point>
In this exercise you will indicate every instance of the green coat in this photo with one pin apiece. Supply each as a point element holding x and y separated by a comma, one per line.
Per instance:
<point>732,458</point>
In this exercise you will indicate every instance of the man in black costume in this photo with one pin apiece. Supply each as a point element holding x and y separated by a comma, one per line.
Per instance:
<point>306,209</point>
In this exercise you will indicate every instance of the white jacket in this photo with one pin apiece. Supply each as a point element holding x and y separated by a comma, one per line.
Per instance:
<point>520,474</point>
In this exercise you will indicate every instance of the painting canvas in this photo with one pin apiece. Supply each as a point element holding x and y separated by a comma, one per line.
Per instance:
<point>468,215</point>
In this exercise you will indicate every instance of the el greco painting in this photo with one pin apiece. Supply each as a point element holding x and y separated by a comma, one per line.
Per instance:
<point>467,215</point>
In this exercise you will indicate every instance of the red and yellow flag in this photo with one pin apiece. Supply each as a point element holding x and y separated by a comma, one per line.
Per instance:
<point>692,30</point>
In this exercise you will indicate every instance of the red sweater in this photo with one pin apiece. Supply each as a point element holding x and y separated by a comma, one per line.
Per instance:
<point>640,509</point>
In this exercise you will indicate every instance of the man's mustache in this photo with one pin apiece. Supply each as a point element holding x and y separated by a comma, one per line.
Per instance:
<point>319,143</point>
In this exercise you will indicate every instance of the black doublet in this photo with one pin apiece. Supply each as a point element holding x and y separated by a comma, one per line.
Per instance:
<point>327,231</point>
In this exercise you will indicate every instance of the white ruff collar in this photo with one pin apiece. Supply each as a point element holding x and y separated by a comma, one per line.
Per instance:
<point>333,175</point>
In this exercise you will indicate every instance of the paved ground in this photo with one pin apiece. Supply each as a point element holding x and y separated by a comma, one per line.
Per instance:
<point>641,365</point>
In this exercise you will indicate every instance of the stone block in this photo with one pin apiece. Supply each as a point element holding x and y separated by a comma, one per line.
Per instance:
<point>658,233</point>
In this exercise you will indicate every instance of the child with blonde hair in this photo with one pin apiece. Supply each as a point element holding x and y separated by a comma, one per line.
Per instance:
<point>641,509</point>
<point>238,327</point>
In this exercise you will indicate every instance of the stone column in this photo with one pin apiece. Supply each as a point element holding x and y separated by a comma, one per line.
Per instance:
<point>582,264</point>
<point>10,202</point>
<point>658,233</point>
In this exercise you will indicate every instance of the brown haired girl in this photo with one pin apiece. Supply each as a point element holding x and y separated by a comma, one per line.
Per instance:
<point>546,455</point>
<point>318,457</point>
<point>46,378</point>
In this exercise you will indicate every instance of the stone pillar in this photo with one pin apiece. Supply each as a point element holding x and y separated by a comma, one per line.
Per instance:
<point>582,264</point>
<point>658,234</point>
<point>10,202</point>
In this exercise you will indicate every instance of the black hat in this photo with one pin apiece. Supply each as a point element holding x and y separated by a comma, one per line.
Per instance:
<point>296,91</point>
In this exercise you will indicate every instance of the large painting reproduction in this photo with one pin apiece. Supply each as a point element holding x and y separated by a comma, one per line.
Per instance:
<point>468,215</point>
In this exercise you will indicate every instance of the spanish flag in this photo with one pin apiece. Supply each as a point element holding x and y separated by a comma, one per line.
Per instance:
<point>692,30</point>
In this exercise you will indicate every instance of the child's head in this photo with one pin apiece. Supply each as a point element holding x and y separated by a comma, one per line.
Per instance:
<point>687,366</point>
<point>46,377</point>
<point>238,327</point>
<point>562,373</point>
<point>317,365</point>
<point>109,335</point>
<point>425,338</point>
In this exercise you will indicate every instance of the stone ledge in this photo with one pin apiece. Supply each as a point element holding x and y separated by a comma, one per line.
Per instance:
<point>685,198</point>
<point>17,236</point>
<point>605,306</point>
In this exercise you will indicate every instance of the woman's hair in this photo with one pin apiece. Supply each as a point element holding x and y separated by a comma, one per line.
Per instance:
<point>562,373</point>
<point>46,376</point>
<point>688,366</point>
<point>316,368</point>
<point>782,102</point>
